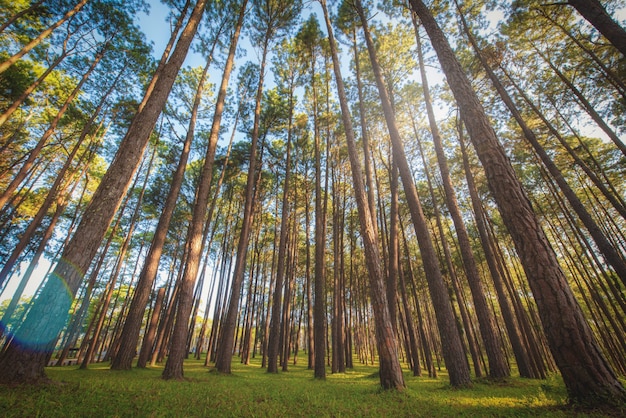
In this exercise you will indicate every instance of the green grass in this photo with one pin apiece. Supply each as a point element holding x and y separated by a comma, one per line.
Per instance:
<point>251,392</point>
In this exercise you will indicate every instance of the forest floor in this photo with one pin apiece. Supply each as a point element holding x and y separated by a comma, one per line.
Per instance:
<point>251,392</point>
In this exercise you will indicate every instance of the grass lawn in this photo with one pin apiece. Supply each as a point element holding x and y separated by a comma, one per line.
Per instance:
<point>251,392</point>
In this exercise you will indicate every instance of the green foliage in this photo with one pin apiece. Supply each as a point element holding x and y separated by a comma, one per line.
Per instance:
<point>250,391</point>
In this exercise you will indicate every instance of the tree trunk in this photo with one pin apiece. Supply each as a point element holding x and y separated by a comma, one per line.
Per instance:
<point>586,373</point>
<point>452,347</point>
<point>611,255</point>
<point>130,332</point>
<point>498,366</point>
<point>390,372</point>
<point>597,15</point>
<point>35,151</point>
<point>273,343</point>
<point>174,366</point>
<point>24,359</point>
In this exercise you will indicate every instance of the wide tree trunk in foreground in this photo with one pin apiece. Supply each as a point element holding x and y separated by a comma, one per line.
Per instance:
<point>587,375</point>
<point>25,358</point>
<point>390,372</point>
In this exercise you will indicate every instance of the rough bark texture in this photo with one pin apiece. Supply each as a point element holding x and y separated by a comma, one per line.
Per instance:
<point>498,366</point>
<point>130,332</point>
<point>586,373</point>
<point>22,360</point>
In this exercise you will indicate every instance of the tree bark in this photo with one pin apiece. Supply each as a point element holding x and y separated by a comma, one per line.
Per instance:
<point>24,360</point>
<point>597,15</point>
<point>132,325</point>
<point>586,373</point>
<point>451,341</point>
<point>498,366</point>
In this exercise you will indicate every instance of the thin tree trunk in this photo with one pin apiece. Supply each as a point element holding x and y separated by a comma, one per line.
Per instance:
<point>609,252</point>
<point>35,151</point>
<point>36,41</point>
<point>273,343</point>
<point>390,372</point>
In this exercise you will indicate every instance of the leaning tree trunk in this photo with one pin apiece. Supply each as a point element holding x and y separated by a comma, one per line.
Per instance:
<point>597,15</point>
<point>174,365</point>
<point>24,360</point>
<point>498,365</point>
<point>611,255</point>
<point>451,341</point>
<point>390,372</point>
<point>587,375</point>
<point>35,151</point>
<point>43,35</point>
<point>132,325</point>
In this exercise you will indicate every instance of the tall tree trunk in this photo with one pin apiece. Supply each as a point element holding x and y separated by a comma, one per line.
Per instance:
<point>597,15</point>
<point>121,260</point>
<point>54,189</point>
<point>452,347</point>
<point>498,366</point>
<point>174,366</point>
<point>390,372</point>
<point>151,329</point>
<point>132,325</point>
<point>273,343</point>
<point>585,104</point>
<point>524,365</point>
<point>26,93</point>
<point>586,373</point>
<point>611,255</point>
<point>369,182</point>
<point>25,359</point>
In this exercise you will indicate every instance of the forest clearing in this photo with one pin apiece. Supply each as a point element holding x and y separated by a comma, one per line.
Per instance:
<point>415,207</point>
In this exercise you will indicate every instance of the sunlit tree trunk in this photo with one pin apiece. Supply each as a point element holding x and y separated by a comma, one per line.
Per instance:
<point>390,372</point>
<point>452,347</point>
<point>586,373</point>
<point>130,332</point>
<point>25,359</point>
<point>174,366</point>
